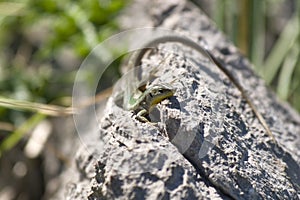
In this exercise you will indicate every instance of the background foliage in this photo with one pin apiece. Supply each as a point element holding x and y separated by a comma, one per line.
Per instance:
<point>268,33</point>
<point>43,44</point>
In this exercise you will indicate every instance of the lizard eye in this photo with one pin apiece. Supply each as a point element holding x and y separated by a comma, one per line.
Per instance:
<point>150,94</point>
<point>160,90</point>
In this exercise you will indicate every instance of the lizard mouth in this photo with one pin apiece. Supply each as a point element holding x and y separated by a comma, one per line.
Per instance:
<point>161,97</point>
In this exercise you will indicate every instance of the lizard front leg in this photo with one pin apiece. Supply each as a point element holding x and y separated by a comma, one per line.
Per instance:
<point>141,116</point>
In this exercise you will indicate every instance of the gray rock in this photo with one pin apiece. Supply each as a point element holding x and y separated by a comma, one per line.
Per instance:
<point>207,143</point>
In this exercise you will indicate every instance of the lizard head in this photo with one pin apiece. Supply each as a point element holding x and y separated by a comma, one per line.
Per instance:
<point>158,93</point>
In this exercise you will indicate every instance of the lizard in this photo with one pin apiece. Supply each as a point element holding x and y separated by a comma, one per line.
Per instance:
<point>137,59</point>
<point>145,101</point>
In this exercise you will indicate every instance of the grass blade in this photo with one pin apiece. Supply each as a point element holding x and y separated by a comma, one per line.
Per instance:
<point>285,76</point>
<point>280,50</point>
<point>16,136</point>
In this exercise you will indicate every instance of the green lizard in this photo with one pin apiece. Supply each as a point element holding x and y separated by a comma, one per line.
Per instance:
<point>190,43</point>
<point>144,103</point>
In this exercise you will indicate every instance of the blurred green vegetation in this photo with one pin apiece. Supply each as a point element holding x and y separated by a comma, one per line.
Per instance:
<point>42,45</point>
<point>268,33</point>
<point>44,42</point>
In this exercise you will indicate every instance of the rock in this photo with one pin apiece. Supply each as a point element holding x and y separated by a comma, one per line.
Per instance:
<point>207,143</point>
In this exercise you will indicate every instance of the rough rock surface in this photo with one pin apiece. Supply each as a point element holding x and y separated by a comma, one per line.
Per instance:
<point>208,143</point>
